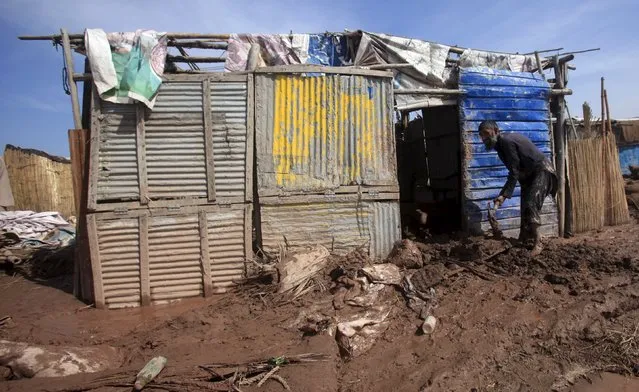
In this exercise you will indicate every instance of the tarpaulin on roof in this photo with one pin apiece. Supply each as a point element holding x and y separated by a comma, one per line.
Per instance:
<point>518,102</point>
<point>430,69</point>
<point>629,131</point>
<point>428,59</point>
<point>283,49</point>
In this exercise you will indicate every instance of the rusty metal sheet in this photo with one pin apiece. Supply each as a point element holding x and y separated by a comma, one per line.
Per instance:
<point>196,145</point>
<point>229,120</point>
<point>340,226</point>
<point>321,132</point>
<point>174,257</point>
<point>119,252</point>
<point>117,157</point>
<point>174,143</point>
<point>174,254</point>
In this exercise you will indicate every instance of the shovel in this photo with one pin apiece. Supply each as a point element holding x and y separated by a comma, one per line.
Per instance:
<point>492,219</point>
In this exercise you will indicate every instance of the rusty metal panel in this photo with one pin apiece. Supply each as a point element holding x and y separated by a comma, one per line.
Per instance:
<point>118,242</point>
<point>229,104</point>
<point>320,132</point>
<point>174,143</point>
<point>117,177</point>
<point>174,257</point>
<point>228,246</point>
<point>385,227</point>
<point>339,225</point>
<point>196,146</point>
<point>157,255</point>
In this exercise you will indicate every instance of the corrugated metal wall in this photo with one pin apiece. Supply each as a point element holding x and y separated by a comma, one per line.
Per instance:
<point>119,250</point>
<point>340,226</point>
<point>229,117</point>
<point>117,171</point>
<point>175,269</point>
<point>196,145</point>
<point>326,163</point>
<point>170,191</point>
<point>316,133</point>
<point>175,143</point>
<point>155,256</point>
<point>518,102</point>
<point>230,245</point>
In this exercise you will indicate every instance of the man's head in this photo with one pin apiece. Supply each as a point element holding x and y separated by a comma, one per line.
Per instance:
<point>489,132</point>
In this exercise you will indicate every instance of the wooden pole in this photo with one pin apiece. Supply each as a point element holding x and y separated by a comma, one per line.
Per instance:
<point>560,159</point>
<point>68,65</point>
<point>77,138</point>
<point>609,120</point>
<point>428,91</point>
<point>539,68</point>
<point>199,44</point>
<point>603,110</point>
<point>168,35</point>
<point>195,59</point>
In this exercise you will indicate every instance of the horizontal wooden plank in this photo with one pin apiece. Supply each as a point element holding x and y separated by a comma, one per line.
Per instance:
<point>471,91</point>
<point>500,80</point>
<point>509,126</point>
<point>477,147</point>
<point>503,115</point>
<point>490,160</point>
<point>533,136</point>
<point>504,103</point>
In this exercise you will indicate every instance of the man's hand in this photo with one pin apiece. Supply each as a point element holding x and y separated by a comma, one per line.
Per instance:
<point>499,201</point>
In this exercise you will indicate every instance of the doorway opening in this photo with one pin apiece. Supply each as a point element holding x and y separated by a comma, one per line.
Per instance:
<point>429,171</point>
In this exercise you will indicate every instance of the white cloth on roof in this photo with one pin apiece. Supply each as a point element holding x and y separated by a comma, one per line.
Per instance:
<point>126,67</point>
<point>508,62</point>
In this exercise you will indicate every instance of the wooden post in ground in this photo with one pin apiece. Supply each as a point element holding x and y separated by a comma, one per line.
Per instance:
<point>559,139</point>
<point>79,148</point>
<point>68,66</point>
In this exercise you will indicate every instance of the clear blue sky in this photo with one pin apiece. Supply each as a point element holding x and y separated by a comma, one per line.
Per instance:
<point>36,113</point>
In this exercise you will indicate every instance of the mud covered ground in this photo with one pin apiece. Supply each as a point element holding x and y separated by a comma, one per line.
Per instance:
<point>567,321</point>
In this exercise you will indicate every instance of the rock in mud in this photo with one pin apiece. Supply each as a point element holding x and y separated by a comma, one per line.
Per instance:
<point>555,279</point>
<point>26,361</point>
<point>406,254</point>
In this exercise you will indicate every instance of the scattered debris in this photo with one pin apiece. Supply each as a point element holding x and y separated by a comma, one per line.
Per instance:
<point>149,372</point>
<point>492,220</point>
<point>406,254</point>
<point>4,321</point>
<point>429,325</point>
<point>244,374</point>
<point>298,270</point>
<point>26,361</point>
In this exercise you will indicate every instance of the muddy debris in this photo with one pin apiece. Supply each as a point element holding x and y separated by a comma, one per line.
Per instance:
<point>406,254</point>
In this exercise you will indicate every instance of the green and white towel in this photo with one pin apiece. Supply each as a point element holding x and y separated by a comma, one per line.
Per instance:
<point>126,67</point>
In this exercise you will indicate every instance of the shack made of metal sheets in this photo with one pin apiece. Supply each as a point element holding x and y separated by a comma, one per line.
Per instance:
<point>194,147</point>
<point>518,102</point>
<point>321,128</point>
<point>158,255</point>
